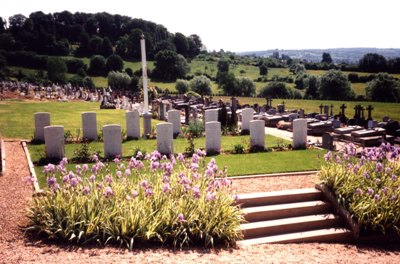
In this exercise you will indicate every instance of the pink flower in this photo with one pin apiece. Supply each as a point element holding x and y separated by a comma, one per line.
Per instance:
<point>86,190</point>
<point>166,188</point>
<point>181,158</point>
<point>181,218</point>
<point>196,191</point>
<point>210,196</point>
<point>108,192</point>
<point>148,192</point>
<point>135,193</point>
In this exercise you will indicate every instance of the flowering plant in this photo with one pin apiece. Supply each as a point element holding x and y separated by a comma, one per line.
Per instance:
<point>172,200</point>
<point>368,185</point>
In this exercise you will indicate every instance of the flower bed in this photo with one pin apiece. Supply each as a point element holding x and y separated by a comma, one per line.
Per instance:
<point>367,184</point>
<point>172,201</point>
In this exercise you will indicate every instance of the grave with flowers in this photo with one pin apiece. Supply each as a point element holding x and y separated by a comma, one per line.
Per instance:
<point>366,184</point>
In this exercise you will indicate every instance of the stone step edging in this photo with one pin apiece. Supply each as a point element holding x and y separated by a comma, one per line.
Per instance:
<point>3,157</point>
<point>31,169</point>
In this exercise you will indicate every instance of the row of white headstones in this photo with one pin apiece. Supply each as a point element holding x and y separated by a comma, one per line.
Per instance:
<point>53,135</point>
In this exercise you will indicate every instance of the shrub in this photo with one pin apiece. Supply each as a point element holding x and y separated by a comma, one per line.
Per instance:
<point>238,149</point>
<point>177,202</point>
<point>367,186</point>
<point>275,90</point>
<point>383,88</point>
<point>182,86</point>
<point>195,128</point>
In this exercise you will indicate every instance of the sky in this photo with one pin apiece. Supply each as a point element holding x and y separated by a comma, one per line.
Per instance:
<point>250,25</point>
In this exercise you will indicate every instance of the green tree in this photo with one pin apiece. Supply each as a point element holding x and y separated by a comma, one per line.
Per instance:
<point>383,88</point>
<point>326,58</point>
<point>169,65</point>
<point>372,62</point>
<point>114,63</point>
<point>95,43</point>
<point>182,86</point>
<point>181,44</point>
<point>228,83</point>
<point>275,90</point>
<point>118,80</point>
<point>334,85</point>
<point>311,87</point>
<point>201,85</point>
<point>106,48</point>
<point>246,87</point>
<point>263,69</point>
<point>97,65</point>
<point>56,70</point>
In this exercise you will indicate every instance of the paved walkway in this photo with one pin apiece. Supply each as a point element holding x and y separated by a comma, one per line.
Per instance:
<point>289,135</point>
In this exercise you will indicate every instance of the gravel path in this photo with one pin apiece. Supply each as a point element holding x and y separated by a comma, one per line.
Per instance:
<point>15,196</point>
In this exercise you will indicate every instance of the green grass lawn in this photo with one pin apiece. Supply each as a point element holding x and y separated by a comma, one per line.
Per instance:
<point>17,117</point>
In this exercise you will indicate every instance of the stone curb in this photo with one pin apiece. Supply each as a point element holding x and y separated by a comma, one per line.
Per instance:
<point>31,169</point>
<point>3,157</point>
<point>299,173</point>
<point>340,210</point>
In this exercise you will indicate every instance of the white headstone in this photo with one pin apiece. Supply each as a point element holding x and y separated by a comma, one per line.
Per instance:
<point>112,141</point>
<point>210,115</point>
<point>300,133</point>
<point>42,119</point>
<point>132,124</point>
<point>213,137</point>
<point>174,117</point>
<point>257,133</point>
<point>89,125</point>
<point>54,141</point>
<point>247,116</point>
<point>165,138</point>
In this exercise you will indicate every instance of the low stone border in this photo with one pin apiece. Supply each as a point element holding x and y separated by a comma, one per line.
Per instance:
<point>340,210</point>
<point>299,173</point>
<point>31,169</point>
<point>3,157</point>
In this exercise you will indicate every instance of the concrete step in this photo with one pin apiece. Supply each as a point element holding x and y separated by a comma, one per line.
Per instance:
<point>320,235</point>
<point>279,197</point>
<point>278,211</point>
<point>289,225</point>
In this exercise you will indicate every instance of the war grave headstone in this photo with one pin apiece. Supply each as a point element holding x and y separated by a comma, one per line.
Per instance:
<point>89,126</point>
<point>132,124</point>
<point>54,142</point>
<point>165,138</point>
<point>213,137</point>
<point>299,134</point>
<point>42,119</point>
<point>174,117</point>
<point>112,141</point>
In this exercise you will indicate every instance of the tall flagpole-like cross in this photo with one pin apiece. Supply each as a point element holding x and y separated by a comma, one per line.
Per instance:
<point>144,75</point>
<point>146,114</point>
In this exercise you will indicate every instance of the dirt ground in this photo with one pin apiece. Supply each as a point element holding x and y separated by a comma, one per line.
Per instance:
<point>15,247</point>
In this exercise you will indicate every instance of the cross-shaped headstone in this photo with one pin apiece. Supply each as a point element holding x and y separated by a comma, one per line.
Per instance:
<point>343,107</point>
<point>331,109</point>
<point>369,109</point>
<point>320,109</point>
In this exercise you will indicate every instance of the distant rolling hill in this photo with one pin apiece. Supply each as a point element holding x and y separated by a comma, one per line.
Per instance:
<point>347,55</point>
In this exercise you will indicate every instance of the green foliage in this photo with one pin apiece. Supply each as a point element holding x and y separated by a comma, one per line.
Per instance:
<point>195,128</point>
<point>334,85</point>
<point>311,84</point>
<point>238,149</point>
<point>245,87</point>
<point>372,62</point>
<point>118,80</point>
<point>114,63</point>
<point>182,86</point>
<point>383,88</point>
<point>201,85</point>
<point>367,187</point>
<point>56,70</point>
<point>326,58</point>
<point>83,154</point>
<point>169,66</point>
<point>275,90</point>
<point>263,69</point>
<point>97,65</point>
<point>173,204</point>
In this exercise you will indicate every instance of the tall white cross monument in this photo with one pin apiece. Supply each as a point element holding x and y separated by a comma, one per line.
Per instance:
<point>146,114</point>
